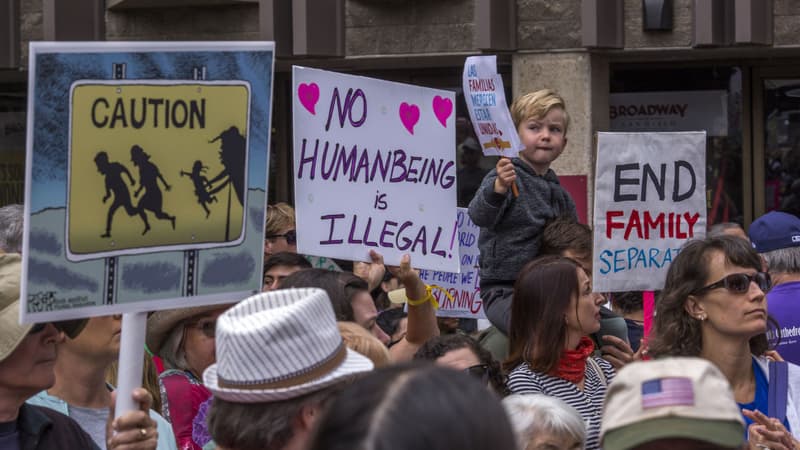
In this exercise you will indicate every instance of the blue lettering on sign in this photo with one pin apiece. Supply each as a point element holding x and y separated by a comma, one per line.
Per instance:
<point>631,258</point>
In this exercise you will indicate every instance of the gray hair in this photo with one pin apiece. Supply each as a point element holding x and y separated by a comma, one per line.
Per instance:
<point>785,260</point>
<point>172,351</point>
<point>718,229</point>
<point>531,413</point>
<point>261,426</point>
<point>11,219</point>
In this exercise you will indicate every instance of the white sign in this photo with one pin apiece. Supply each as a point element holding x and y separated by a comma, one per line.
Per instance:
<point>649,200</point>
<point>670,111</point>
<point>486,102</point>
<point>464,287</point>
<point>374,168</point>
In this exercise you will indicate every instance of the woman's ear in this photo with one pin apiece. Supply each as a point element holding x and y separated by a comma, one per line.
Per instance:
<point>694,308</point>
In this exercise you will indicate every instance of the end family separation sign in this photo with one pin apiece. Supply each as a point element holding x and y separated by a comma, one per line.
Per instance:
<point>374,168</point>
<point>649,200</point>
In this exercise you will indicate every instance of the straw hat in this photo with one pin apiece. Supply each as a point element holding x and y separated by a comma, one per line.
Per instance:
<point>161,323</point>
<point>11,332</point>
<point>280,345</point>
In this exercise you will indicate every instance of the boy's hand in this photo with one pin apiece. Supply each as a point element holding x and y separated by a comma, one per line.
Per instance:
<point>505,175</point>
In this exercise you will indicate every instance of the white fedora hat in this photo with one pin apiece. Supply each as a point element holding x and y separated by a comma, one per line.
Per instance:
<point>279,345</point>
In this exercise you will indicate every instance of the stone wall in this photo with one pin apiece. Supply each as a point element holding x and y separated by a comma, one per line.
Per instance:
<point>229,23</point>
<point>547,24</point>
<point>786,22</point>
<point>413,26</point>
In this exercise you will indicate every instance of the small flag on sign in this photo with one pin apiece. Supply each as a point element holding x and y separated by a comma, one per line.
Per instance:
<point>667,392</point>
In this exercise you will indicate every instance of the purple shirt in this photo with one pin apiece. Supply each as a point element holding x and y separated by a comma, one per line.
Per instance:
<point>783,303</point>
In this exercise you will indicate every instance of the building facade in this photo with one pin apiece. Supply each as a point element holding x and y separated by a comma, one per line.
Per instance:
<point>730,67</point>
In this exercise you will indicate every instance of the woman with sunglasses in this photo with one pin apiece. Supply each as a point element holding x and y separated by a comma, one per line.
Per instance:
<point>553,312</point>
<point>184,340</point>
<point>714,306</point>
<point>461,352</point>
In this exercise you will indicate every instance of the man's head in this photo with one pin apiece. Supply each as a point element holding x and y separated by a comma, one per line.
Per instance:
<point>565,237</point>
<point>279,266</point>
<point>280,357</point>
<point>349,296</point>
<point>27,352</point>
<point>776,236</point>
<point>11,218</point>
<point>678,400</point>
<point>279,232</point>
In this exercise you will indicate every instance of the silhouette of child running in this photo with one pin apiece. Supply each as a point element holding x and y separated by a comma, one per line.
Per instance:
<point>114,183</point>
<point>201,183</point>
<point>149,175</point>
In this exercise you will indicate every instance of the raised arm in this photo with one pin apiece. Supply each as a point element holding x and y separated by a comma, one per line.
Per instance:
<point>487,205</point>
<point>421,318</point>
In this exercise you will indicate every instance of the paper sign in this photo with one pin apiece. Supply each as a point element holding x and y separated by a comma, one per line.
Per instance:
<point>649,200</point>
<point>464,287</point>
<point>147,176</point>
<point>488,110</point>
<point>374,166</point>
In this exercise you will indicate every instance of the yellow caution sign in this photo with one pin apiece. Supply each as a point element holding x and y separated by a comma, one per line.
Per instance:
<point>156,166</point>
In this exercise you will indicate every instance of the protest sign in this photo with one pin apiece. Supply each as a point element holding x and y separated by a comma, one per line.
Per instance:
<point>488,110</point>
<point>464,288</point>
<point>146,181</point>
<point>374,166</point>
<point>649,200</point>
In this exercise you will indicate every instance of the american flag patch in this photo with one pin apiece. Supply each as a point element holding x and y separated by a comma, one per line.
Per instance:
<point>667,392</point>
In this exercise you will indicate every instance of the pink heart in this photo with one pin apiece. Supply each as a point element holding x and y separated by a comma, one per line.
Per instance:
<point>308,94</point>
<point>442,108</point>
<point>409,115</point>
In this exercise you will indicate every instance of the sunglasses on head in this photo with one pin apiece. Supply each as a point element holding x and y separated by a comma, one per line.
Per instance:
<point>739,283</point>
<point>290,236</point>
<point>480,371</point>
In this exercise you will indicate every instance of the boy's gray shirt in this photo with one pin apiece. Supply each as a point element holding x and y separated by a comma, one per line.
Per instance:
<point>511,227</point>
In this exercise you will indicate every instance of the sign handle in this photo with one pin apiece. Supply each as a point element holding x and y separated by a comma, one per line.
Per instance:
<point>131,360</point>
<point>648,307</point>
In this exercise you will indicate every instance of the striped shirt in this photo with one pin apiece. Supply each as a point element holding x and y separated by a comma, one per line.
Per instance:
<point>588,402</point>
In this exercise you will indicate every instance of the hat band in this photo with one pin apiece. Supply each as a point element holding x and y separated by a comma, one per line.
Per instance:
<point>325,367</point>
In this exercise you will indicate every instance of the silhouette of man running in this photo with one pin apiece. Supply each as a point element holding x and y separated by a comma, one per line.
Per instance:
<point>114,183</point>
<point>149,175</point>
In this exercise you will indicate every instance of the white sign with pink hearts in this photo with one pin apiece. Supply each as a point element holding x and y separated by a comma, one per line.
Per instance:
<point>374,169</point>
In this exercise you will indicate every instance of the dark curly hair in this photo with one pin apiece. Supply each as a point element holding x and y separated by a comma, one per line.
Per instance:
<point>437,346</point>
<point>675,332</point>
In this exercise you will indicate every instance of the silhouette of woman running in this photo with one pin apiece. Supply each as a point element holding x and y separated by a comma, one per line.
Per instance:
<point>114,183</point>
<point>148,180</point>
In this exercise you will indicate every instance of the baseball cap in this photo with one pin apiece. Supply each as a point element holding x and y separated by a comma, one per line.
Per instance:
<point>775,230</point>
<point>670,398</point>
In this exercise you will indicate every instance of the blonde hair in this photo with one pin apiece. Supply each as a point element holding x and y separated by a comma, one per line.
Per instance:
<point>536,105</point>
<point>280,217</point>
<point>358,339</point>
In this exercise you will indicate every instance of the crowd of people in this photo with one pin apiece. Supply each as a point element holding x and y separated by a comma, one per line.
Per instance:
<point>336,355</point>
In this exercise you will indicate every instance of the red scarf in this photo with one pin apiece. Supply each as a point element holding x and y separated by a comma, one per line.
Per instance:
<point>572,364</point>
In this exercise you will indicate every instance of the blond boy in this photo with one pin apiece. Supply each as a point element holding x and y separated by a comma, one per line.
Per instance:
<point>511,226</point>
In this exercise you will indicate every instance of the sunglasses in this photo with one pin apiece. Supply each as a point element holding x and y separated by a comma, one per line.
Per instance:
<point>739,283</point>
<point>290,236</point>
<point>480,371</point>
<point>208,328</point>
<point>38,328</point>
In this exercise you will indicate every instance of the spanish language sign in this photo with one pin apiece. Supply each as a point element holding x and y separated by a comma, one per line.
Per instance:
<point>649,200</point>
<point>464,299</point>
<point>374,165</point>
<point>147,176</point>
<point>486,102</point>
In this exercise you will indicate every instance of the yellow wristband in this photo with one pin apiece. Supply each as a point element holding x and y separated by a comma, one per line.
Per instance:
<point>429,296</point>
